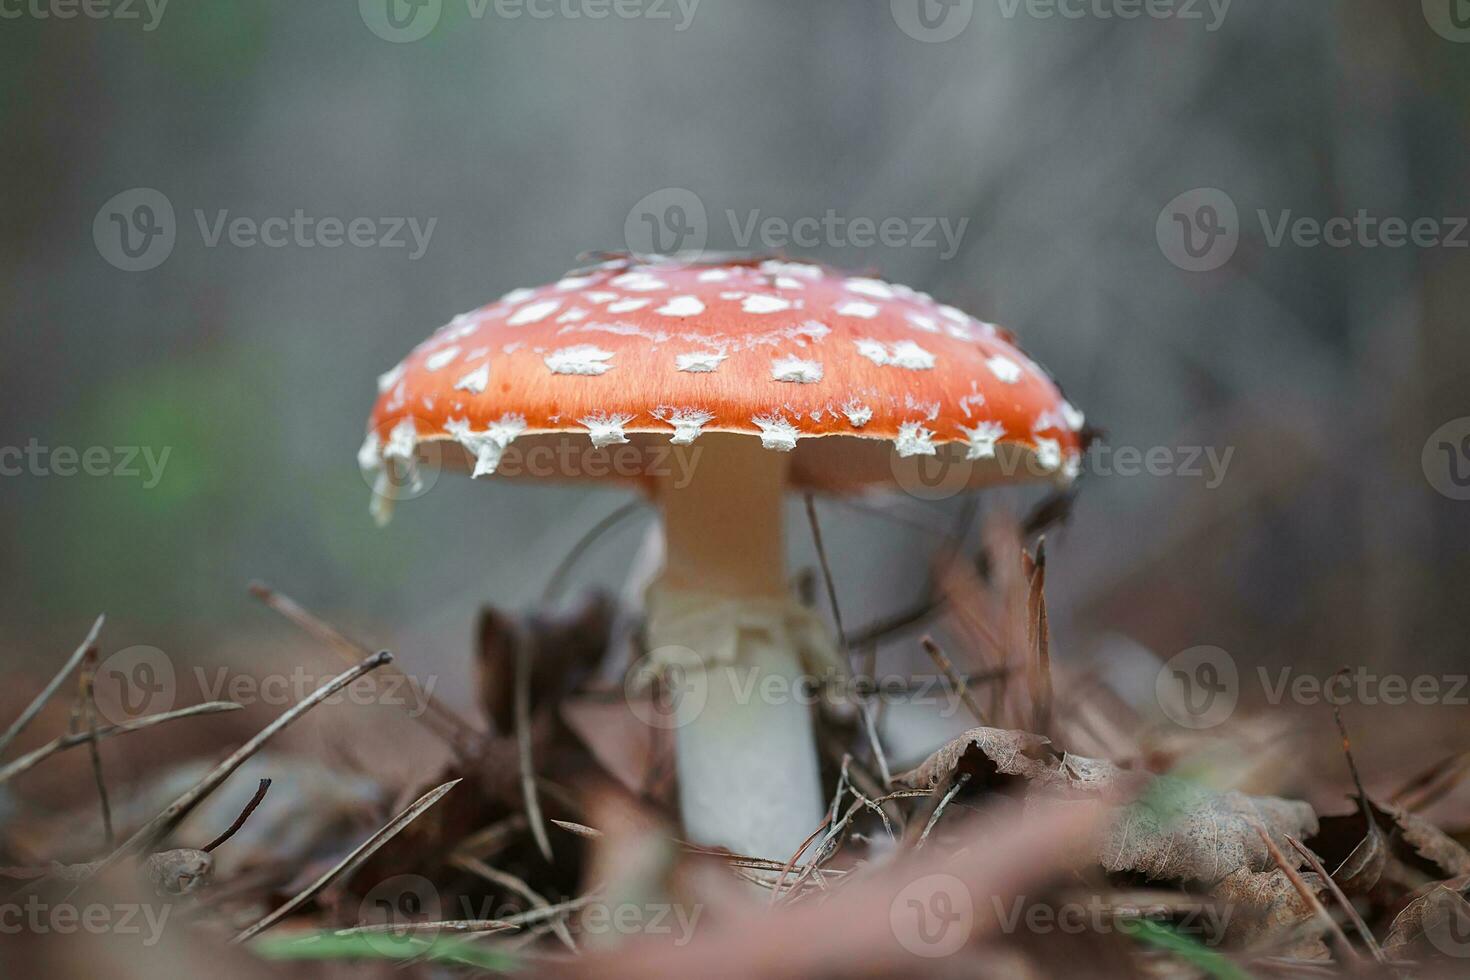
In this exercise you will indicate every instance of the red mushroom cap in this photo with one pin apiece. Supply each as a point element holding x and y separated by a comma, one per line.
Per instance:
<point>781,350</point>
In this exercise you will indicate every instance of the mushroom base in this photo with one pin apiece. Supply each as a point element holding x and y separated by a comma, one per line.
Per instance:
<point>746,752</point>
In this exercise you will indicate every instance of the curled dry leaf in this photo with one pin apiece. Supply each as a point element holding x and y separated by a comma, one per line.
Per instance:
<point>1421,850</point>
<point>1164,827</point>
<point>1263,908</point>
<point>1437,921</point>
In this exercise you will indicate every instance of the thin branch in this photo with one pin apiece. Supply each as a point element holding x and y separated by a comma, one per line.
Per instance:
<point>1342,899</point>
<point>532,801</point>
<point>87,701</point>
<point>36,756</point>
<point>34,708</point>
<point>956,682</point>
<point>352,861</point>
<point>234,828</point>
<point>506,880</point>
<point>811,516</point>
<point>446,723</point>
<point>151,833</point>
<point>557,581</point>
<point>954,790</point>
<point>1307,895</point>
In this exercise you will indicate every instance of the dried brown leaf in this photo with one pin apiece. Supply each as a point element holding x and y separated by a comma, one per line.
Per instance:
<point>1164,828</point>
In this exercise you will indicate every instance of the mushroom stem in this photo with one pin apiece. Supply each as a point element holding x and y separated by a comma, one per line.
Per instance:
<point>745,750</point>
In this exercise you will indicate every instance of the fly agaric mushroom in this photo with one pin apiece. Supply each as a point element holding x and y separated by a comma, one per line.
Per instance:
<point>780,374</point>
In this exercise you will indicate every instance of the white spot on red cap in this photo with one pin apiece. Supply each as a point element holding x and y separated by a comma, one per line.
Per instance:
<point>368,458</point>
<point>627,305</point>
<point>1048,453</point>
<point>533,312</point>
<point>777,267</point>
<point>575,282</point>
<point>1004,369</point>
<point>517,296</point>
<point>606,430</point>
<point>584,359</point>
<point>441,359</point>
<point>858,308</point>
<point>920,321</point>
<point>914,440</point>
<point>903,354</point>
<point>687,423</point>
<point>1075,420</point>
<point>573,315</point>
<point>796,370</point>
<point>682,306</point>
<point>701,362</point>
<point>476,381</point>
<point>401,440</point>
<point>390,378</point>
<point>639,282</point>
<point>776,433</point>
<point>857,413</point>
<point>982,439</point>
<point>876,288</point>
<point>489,446</point>
<point>714,275</point>
<point>761,303</point>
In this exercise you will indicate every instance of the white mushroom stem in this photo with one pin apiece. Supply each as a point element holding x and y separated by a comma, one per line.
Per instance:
<point>747,759</point>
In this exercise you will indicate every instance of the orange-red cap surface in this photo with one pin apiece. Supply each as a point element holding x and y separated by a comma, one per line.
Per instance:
<point>780,350</point>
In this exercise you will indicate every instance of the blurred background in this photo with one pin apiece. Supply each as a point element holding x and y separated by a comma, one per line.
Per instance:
<point>1123,192</point>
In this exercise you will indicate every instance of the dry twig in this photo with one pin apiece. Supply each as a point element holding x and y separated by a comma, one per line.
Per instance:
<point>39,702</point>
<point>351,862</point>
